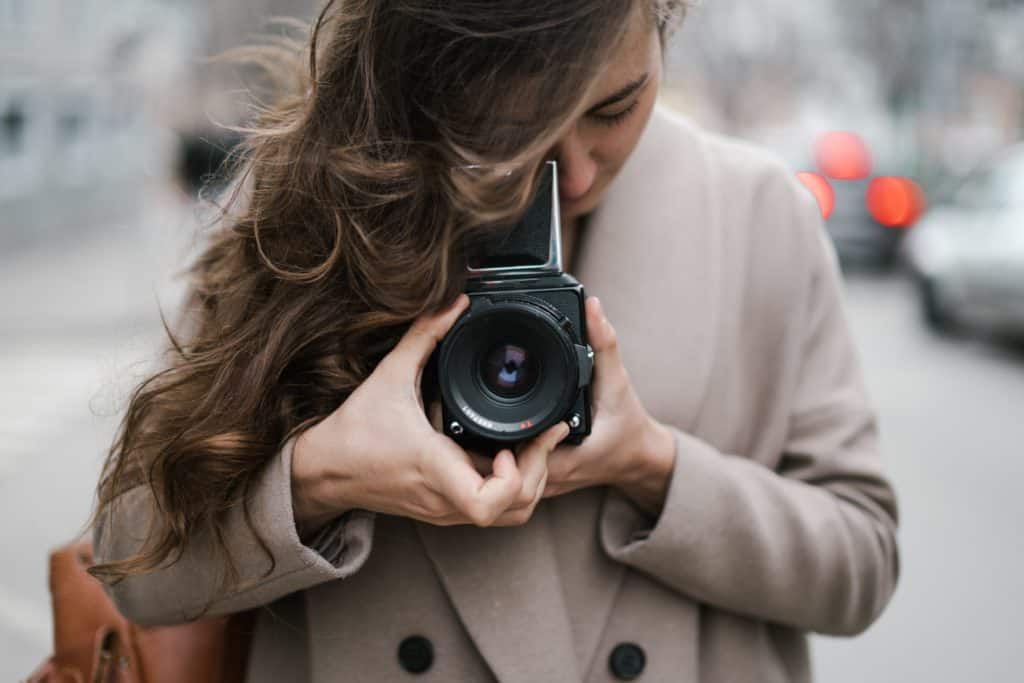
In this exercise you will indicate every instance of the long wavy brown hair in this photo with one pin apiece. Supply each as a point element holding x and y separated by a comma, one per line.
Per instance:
<point>398,132</point>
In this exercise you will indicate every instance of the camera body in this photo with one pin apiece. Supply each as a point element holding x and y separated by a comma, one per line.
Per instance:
<point>517,360</point>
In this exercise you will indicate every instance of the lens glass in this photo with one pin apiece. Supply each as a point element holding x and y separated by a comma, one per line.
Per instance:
<point>509,370</point>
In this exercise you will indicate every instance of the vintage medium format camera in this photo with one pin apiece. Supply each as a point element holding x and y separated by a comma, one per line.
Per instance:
<point>517,360</point>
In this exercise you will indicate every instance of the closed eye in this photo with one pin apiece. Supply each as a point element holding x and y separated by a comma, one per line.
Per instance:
<point>599,112</point>
<point>616,118</point>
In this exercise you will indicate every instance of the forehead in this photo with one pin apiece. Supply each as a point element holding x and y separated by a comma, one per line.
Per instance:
<point>632,57</point>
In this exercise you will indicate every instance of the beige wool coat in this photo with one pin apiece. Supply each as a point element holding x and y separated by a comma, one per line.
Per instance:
<point>714,266</point>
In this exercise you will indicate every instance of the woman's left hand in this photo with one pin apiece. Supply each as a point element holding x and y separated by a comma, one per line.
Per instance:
<point>627,448</point>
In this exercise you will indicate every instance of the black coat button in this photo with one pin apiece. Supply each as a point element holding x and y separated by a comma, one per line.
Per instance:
<point>416,654</point>
<point>627,661</point>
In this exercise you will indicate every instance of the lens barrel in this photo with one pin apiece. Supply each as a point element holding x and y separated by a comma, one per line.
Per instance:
<point>510,367</point>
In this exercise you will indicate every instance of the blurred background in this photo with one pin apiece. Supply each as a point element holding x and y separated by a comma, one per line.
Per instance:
<point>902,116</point>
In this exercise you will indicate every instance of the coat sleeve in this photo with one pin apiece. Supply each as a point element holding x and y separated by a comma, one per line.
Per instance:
<point>177,592</point>
<point>812,543</point>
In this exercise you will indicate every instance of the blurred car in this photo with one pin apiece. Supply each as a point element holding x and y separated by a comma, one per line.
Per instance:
<point>861,241</point>
<point>201,156</point>
<point>967,253</point>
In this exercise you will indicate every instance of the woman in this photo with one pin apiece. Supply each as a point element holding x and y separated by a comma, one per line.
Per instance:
<point>730,497</point>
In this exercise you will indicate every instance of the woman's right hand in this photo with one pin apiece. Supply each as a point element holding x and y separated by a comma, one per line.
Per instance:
<point>378,451</point>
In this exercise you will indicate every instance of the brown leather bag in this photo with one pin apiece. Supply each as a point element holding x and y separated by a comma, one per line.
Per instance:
<point>94,643</point>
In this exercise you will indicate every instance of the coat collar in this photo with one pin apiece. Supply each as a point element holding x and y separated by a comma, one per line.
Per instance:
<point>651,253</point>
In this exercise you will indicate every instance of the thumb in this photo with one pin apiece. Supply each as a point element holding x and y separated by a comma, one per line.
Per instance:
<point>602,338</point>
<point>419,341</point>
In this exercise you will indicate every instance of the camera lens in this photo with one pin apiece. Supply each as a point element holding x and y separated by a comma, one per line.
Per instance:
<point>509,370</point>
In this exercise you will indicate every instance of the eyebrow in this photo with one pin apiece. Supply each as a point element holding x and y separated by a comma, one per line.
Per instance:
<point>620,94</point>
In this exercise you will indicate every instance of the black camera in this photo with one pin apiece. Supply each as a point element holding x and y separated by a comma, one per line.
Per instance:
<point>517,360</point>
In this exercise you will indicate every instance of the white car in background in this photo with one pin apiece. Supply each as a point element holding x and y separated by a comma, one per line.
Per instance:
<point>968,253</point>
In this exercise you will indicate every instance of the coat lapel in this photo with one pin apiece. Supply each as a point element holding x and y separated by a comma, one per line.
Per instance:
<point>590,580</point>
<point>657,271</point>
<point>504,583</point>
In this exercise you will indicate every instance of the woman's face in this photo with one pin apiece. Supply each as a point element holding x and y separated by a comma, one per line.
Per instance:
<point>615,111</point>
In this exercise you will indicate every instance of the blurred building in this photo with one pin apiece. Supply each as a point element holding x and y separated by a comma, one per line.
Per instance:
<point>80,128</point>
<point>217,93</point>
<point>217,90</point>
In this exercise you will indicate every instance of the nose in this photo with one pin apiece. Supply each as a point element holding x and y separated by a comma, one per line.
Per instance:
<point>576,169</point>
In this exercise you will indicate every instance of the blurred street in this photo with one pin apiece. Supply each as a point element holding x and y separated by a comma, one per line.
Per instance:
<point>952,433</point>
<point>81,320</point>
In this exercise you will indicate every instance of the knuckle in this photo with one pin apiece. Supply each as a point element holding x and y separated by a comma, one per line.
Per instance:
<point>525,497</point>
<point>415,339</point>
<point>512,518</point>
<point>538,493</point>
<point>483,522</point>
<point>479,514</point>
<point>521,516</point>
<point>427,334</point>
<point>516,480</point>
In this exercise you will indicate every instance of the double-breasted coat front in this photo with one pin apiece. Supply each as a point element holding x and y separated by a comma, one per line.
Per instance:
<point>714,266</point>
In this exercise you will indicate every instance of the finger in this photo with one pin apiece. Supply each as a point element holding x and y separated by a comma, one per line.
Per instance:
<point>600,332</point>
<point>506,481</point>
<point>449,519</point>
<point>419,341</point>
<point>551,490</point>
<point>534,457</point>
<point>566,458</point>
<point>483,464</point>
<point>512,516</point>
<point>480,499</point>
<point>601,335</point>
<point>558,466</point>
<point>515,516</point>
<point>521,514</point>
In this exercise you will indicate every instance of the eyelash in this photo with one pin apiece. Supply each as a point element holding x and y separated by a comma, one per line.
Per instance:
<point>611,120</point>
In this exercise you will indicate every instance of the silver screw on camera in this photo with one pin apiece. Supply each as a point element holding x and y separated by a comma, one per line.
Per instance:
<point>455,428</point>
<point>575,421</point>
